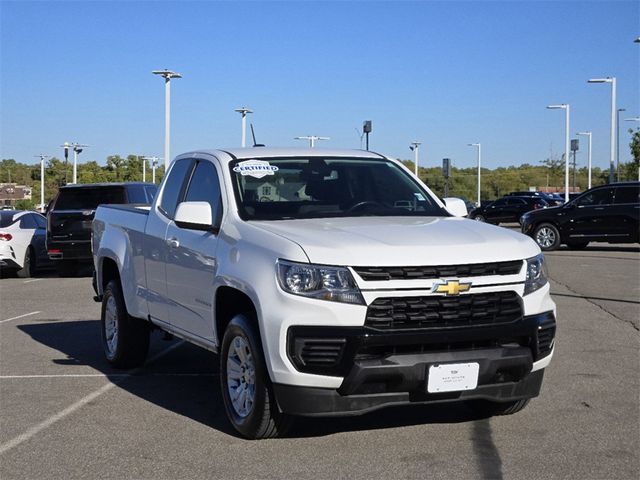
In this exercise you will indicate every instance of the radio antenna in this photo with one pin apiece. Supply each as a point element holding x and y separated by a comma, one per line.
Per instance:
<point>253,134</point>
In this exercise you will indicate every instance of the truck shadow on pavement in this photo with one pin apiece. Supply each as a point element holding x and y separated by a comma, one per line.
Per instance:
<point>185,381</point>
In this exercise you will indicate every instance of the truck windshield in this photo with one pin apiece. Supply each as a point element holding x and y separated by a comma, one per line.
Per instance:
<point>296,188</point>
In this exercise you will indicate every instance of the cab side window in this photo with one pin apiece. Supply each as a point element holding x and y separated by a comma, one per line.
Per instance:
<point>630,194</point>
<point>602,196</point>
<point>174,187</point>
<point>205,187</point>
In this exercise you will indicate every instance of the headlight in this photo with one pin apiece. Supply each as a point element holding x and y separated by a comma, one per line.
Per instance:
<point>536,274</point>
<point>335,284</point>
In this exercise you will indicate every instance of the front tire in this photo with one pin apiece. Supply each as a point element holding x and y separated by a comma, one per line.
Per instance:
<point>479,218</point>
<point>246,388</point>
<point>28,269</point>
<point>125,339</point>
<point>547,236</point>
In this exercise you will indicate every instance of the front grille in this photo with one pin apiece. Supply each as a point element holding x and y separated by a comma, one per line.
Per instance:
<point>546,335</point>
<point>371,274</point>
<point>441,311</point>
<point>317,354</point>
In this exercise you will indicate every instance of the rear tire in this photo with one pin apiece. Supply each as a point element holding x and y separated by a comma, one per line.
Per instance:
<point>125,339</point>
<point>547,236</point>
<point>28,269</point>
<point>479,218</point>
<point>246,388</point>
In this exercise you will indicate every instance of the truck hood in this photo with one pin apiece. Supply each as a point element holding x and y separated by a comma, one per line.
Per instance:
<point>402,241</point>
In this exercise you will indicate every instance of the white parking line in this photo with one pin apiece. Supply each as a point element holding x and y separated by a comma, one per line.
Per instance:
<point>19,316</point>
<point>31,281</point>
<point>33,431</point>
<point>107,375</point>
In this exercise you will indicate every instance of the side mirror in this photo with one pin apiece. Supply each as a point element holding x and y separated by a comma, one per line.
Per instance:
<point>456,206</point>
<point>195,216</point>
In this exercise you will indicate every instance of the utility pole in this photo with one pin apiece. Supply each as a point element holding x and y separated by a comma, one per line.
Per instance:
<point>446,171</point>
<point>618,142</point>
<point>312,139</point>
<point>167,75</point>
<point>366,129</point>
<point>154,164</point>
<point>66,146</point>
<point>77,149</point>
<point>415,146</point>
<point>574,149</point>
<point>42,159</point>
<point>479,163</point>
<point>243,111</point>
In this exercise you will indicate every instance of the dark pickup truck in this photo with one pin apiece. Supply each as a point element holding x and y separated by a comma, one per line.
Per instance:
<point>71,213</point>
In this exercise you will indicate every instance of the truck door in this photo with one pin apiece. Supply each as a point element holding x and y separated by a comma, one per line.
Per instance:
<point>191,259</point>
<point>155,247</point>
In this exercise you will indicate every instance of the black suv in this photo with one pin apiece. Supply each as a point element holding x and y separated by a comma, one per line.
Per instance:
<point>71,213</point>
<point>507,209</point>
<point>609,213</point>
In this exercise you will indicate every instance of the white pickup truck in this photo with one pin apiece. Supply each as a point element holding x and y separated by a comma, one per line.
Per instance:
<point>329,282</point>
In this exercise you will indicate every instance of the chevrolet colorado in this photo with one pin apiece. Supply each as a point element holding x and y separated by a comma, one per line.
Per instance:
<point>329,282</point>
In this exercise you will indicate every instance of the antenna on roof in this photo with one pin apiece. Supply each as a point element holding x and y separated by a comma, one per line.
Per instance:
<point>253,134</point>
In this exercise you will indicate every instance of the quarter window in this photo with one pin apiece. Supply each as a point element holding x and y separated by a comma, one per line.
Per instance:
<point>205,187</point>
<point>173,188</point>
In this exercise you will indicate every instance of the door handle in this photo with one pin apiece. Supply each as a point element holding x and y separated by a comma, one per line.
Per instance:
<point>173,242</point>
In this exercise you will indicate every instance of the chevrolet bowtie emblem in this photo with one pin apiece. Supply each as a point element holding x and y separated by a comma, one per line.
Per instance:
<point>451,287</point>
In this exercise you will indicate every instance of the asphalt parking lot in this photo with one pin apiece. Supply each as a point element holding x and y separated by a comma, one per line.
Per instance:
<point>65,414</point>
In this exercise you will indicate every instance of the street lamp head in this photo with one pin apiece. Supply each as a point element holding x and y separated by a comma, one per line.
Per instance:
<point>473,144</point>
<point>583,133</point>
<point>622,109</point>
<point>167,73</point>
<point>600,80</point>
<point>563,106</point>
<point>632,119</point>
<point>637,40</point>
<point>243,110</point>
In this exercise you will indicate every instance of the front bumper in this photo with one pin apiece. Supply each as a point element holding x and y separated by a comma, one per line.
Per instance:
<point>325,402</point>
<point>381,368</point>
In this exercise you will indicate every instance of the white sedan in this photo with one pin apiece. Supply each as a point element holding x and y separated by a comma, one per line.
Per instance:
<point>22,242</point>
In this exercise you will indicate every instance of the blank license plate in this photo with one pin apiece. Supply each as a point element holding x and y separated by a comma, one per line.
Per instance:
<point>452,377</point>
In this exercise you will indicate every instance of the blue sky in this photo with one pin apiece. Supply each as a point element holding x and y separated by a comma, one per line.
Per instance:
<point>444,73</point>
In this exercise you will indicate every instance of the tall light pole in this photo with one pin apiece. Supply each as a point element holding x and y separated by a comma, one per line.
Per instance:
<point>612,151</point>
<point>312,139</point>
<point>566,107</point>
<point>415,146</point>
<point>167,75</point>
<point>77,150</point>
<point>479,160</point>
<point>618,142</point>
<point>588,134</point>
<point>243,111</point>
<point>42,159</point>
